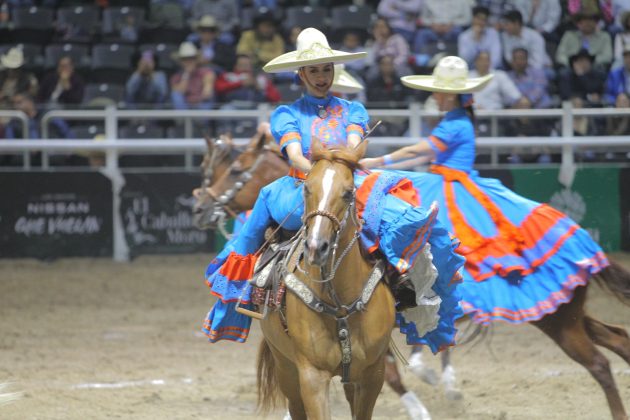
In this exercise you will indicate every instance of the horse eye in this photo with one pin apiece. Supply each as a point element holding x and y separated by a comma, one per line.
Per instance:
<point>348,195</point>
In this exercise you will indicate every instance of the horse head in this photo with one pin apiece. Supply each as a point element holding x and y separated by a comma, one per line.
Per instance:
<point>236,189</point>
<point>329,195</point>
<point>215,162</point>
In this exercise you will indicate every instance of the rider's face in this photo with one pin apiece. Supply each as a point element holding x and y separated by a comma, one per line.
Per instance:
<point>317,79</point>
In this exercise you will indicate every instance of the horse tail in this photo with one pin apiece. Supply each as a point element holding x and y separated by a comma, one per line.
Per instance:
<point>616,280</point>
<point>266,380</point>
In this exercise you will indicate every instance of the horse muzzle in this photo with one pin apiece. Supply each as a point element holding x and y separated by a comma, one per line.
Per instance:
<point>317,251</point>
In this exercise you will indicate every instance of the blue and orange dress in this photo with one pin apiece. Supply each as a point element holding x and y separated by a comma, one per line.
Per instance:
<point>394,224</point>
<point>523,259</point>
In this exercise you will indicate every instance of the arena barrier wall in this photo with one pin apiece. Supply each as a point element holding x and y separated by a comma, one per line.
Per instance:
<point>49,215</point>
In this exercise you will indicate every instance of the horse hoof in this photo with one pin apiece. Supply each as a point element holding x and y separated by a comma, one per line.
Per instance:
<point>422,371</point>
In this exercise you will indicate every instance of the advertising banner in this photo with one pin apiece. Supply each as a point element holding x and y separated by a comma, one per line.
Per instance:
<point>50,215</point>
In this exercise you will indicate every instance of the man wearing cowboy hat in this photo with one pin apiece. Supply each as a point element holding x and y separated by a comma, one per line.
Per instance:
<point>193,86</point>
<point>587,36</point>
<point>13,77</point>
<point>212,49</point>
<point>263,43</point>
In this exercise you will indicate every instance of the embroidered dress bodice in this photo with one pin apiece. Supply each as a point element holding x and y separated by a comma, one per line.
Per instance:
<point>330,119</point>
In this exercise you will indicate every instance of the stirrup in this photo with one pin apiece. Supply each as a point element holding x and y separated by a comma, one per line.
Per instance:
<point>253,314</point>
<point>403,291</point>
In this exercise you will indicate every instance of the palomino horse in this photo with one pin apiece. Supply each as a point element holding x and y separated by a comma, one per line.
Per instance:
<point>339,317</point>
<point>570,327</point>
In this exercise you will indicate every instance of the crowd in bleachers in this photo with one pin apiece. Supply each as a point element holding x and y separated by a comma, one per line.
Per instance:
<point>208,54</point>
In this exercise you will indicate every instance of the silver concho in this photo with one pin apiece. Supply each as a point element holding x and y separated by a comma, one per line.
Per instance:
<point>321,112</point>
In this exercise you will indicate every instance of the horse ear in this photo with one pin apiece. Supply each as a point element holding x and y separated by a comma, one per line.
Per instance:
<point>360,149</point>
<point>209,142</point>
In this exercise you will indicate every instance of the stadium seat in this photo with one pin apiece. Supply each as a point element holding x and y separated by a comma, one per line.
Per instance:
<point>32,24</point>
<point>141,4</point>
<point>164,54</point>
<point>77,23</point>
<point>111,63</point>
<point>104,90</point>
<point>114,17</point>
<point>357,18</point>
<point>87,131</point>
<point>167,15</point>
<point>78,53</point>
<point>289,92</point>
<point>305,16</point>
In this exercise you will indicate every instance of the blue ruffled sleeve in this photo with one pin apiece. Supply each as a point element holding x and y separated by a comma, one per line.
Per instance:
<point>358,119</point>
<point>284,127</point>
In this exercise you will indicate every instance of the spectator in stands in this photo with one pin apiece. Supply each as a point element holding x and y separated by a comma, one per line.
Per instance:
<point>617,91</point>
<point>193,86</point>
<point>385,85</point>
<point>515,35</point>
<point>224,11</point>
<point>541,15</point>
<point>497,9</point>
<point>587,36</point>
<point>352,43</point>
<point>584,81</point>
<point>245,84</point>
<point>263,43</point>
<point>501,92</point>
<point>292,35</point>
<point>402,16</point>
<point>146,86</point>
<point>212,49</point>
<point>617,94</point>
<point>583,85</point>
<point>64,86</point>
<point>617,10</point>
<point>25,103</point>
<point>442,21</point>
<point>480,37</point>
<point>13,78</point>
<point>531,82</point>
<point>622,41</point>
<point>388,43</point>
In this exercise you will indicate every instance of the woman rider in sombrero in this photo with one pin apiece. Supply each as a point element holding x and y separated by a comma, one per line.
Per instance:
<point>523,258</point>
<point>395,226</point>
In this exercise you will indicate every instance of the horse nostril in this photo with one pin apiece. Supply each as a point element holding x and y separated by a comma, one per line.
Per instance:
<point>323,248</point>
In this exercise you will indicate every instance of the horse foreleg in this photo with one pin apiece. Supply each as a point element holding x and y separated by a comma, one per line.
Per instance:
<point>348,389</point>
<point>567,328</point>
<point>415,409</point>
<point>612,337</point>
<point>289,384</point>
<point>367,389</point>
<point>314,387</point>
<point>420,369</point>
<point>449,382</point>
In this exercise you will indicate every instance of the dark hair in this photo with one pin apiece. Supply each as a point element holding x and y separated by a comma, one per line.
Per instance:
<point>136,56</point>
<point>384,20</point>
<point>470,111</point>
<point>520,49</point>
<point>513,16</point>
<point>480,10</point>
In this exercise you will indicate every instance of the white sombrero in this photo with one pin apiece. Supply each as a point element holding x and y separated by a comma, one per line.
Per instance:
<point>344,82</point>
<point>449,76</point>
<point>312,49</point>
<point>13,59</point>
<point>186,50</point>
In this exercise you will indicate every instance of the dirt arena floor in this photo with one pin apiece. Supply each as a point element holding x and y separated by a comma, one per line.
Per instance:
<point>93,339</point>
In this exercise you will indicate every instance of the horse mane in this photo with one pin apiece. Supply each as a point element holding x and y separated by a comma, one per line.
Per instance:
<point>344,155</point>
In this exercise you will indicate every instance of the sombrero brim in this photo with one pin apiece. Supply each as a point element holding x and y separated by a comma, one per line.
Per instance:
<point>345,83</point>
<point>474,84</point>
<point>290,62</point>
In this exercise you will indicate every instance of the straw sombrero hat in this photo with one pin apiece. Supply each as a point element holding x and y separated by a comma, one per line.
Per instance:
<point>449,76</point>
<point>186,50</point>
<point>206,21</point>
<point>344,82</point>
<point>13,59</point>
<point>312,49</point>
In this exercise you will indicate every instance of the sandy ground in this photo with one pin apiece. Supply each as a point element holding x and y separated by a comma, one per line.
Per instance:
<point>92,339</point>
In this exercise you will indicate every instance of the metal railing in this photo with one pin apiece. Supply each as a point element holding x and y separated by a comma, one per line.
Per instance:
<point>24,120</point>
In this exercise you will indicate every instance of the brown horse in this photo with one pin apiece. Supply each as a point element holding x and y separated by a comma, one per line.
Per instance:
<point>570,327</point>
<point>335,339</point>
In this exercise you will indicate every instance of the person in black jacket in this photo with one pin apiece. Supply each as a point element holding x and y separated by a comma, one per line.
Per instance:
<point>64,86</point>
